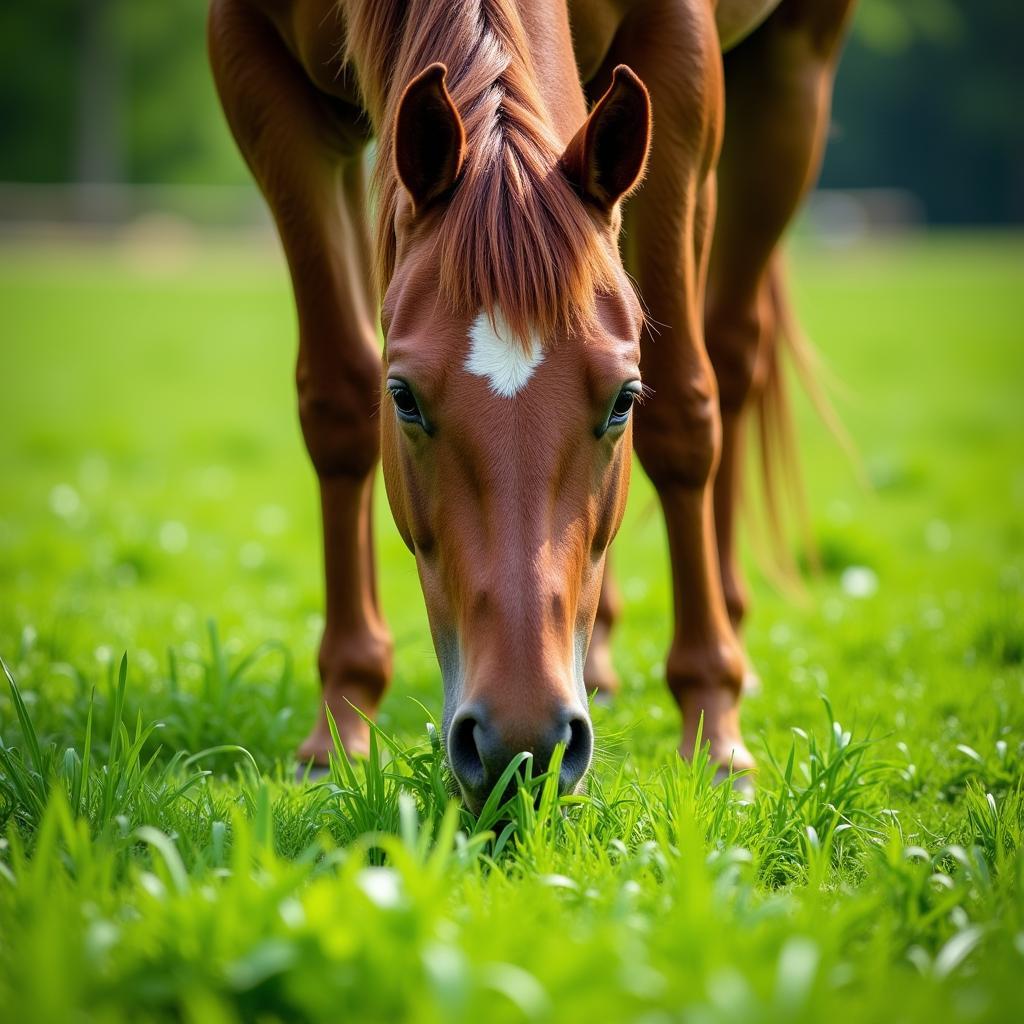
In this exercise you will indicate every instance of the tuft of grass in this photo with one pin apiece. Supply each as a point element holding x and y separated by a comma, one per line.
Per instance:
<point>162,899</point>
<point>158,861</point>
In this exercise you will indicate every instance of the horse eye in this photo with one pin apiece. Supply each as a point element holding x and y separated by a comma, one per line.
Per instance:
<point>405,401</point>
<point>623,405</point>
<point>620,410</point>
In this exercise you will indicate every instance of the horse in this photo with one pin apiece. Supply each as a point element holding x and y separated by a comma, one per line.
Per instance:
<point>573,255</point>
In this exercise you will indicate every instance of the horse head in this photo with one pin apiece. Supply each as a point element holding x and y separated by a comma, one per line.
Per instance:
<point>511,368</point>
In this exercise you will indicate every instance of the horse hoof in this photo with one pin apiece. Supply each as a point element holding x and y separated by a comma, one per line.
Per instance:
<point>742,784</point>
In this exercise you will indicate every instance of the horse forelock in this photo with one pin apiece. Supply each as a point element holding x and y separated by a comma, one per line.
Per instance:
<point>513,239</point>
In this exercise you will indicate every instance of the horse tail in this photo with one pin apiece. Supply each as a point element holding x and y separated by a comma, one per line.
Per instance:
<point>778,457</point>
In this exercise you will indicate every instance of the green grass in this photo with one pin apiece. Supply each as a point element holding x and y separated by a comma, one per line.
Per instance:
<point>158,863</point>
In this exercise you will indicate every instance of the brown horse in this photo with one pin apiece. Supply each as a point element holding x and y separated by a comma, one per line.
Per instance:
<point>515,340</point>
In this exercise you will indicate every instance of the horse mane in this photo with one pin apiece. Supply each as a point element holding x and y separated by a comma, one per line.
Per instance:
<point>515,239</point>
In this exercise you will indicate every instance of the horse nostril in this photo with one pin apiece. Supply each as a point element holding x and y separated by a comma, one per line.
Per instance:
<point>479,751</point>
<point>579,748</point>
<point>464,755</point>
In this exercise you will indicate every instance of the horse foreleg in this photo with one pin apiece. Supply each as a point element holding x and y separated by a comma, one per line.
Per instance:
<point>778,91</point>
<point>305,152</point>
<point>673,46</point>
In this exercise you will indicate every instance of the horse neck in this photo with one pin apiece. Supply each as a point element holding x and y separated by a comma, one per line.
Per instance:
<point>391,41</point>
<point>549,41</point>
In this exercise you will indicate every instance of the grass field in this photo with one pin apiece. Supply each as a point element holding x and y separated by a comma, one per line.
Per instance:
<point>158,863</point>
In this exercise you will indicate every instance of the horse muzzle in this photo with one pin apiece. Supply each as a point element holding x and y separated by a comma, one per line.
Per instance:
<point>481,747</point>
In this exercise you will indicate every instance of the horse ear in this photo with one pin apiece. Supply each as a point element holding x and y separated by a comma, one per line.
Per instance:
<point>430,142</point>
<point>606,157</point>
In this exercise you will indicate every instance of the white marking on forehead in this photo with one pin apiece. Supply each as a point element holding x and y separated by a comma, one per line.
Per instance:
<point>492,354</point>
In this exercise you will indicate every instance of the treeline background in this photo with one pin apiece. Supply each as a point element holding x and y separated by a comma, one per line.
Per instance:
<point>929,100</point>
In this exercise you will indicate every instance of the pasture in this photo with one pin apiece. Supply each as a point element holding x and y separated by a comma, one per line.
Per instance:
<point>159,863</point>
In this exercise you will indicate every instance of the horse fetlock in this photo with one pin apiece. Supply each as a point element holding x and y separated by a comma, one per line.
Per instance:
<point>599,675</point>
<point>737,598</point>
<point>354,675</point>
<point>715,669</point>
<point>357,664</point>
<point>707,683</point>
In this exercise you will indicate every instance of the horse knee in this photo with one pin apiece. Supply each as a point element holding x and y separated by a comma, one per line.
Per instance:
<point>734,340</point>
<point>339,415</point>
<point>678,434</point>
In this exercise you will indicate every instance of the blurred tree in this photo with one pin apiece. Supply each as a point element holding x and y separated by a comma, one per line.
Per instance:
<point>928,99</point>
<point>98,134</point>
<point>109,90</point>
<point>176,130</point>
<point>37,112</point>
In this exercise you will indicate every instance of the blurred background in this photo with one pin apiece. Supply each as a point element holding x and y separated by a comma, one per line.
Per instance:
<point>156,499</point>
<point>107,114</point>
<point>152,471</point>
